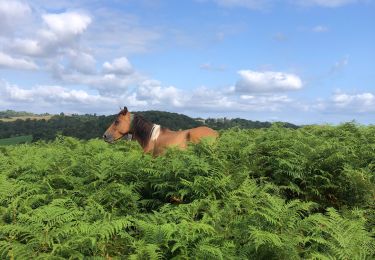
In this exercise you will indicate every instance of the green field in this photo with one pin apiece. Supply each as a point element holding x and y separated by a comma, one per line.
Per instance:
<point>36,117</point>
<point>16,140</point>
<point>274,193</point>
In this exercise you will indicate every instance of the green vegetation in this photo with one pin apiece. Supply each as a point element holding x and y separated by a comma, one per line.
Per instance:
<point>275,193</point>
<point>11,119</point>
<point>11,113</point>
<point>16,140</point>
<point>92,126</point>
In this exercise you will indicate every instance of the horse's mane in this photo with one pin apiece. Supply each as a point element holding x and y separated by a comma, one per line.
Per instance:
<point>142,129</point>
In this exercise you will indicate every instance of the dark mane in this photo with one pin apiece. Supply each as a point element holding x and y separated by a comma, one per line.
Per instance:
<point>141,129</point>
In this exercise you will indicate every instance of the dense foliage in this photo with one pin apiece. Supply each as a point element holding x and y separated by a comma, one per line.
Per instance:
<point>273,193</point>
<point>92,126</point>
<point>84,126</point>
<point>79,126</point>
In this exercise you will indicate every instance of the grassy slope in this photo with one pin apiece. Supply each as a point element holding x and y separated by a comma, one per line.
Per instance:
<point>26,117</point>
<point>16,140</point>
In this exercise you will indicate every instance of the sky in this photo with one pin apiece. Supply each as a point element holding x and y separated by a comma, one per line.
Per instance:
<point>301,61</point>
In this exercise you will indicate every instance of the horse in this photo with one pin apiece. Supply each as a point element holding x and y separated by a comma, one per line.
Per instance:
<point>153,138</point>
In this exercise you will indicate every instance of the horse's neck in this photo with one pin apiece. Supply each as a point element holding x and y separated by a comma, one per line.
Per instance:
<point>154,135</point>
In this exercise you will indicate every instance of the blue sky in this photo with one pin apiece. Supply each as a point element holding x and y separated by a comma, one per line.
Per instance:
<point>306,61</point>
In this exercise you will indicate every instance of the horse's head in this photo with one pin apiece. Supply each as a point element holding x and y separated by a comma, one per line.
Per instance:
<point>120,127</point>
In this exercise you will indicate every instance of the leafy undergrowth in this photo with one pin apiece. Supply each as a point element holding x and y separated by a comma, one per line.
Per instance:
<point>275,193</point>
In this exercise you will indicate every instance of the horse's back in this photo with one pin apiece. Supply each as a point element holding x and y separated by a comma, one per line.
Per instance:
<point>196,134</point>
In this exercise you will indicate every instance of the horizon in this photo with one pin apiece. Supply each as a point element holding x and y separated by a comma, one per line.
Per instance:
<point>302,62</point>
<point>195,118</point>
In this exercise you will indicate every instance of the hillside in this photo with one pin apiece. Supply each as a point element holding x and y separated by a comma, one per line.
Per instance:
<point>11,113</point>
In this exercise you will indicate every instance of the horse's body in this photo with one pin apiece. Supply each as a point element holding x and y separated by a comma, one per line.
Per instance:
<point>169,138</point>
<point>153,138</point>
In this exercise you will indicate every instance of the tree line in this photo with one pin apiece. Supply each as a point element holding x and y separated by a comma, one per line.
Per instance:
<point>93,126</point>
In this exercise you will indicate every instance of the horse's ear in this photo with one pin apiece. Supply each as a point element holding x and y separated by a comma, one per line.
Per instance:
<point>125,110</point>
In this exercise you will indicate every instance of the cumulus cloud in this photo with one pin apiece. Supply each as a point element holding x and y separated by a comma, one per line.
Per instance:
<point>118,66</point>
<point>271,102</point>
<point>7,61</point>
<point>12,13</point>
<point>154,93</point>
<point>67,23</point>
<point>82,62</point>
<point>107,84</point>
<point>53,99</point>
<point>48,94</point>
<point>28,47</point>
<point>204,99</point>
<point>62,31</point>
<point>361,102</point>
<point>349,104</point>
<point>113,79</point>
<point>59,33</point>
<point>266,82</point>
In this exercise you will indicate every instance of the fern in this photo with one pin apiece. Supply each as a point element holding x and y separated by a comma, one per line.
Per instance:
<point>253,194</point>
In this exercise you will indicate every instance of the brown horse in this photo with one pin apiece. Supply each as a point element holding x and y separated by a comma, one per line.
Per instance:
<point>153,138</point>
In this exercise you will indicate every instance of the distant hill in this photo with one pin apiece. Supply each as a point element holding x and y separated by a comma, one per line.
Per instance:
<point>173,121</point>
<point>12,113</point>
<point>93,126</point>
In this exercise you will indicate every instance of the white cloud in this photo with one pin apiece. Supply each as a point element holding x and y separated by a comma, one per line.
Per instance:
<point>361,102</point>
<point>59,34</point>
<point>320,29</point>
<point>62,32</point>
<point>204,99</point>
<point>48,94</point>
<point>7,61</point>
<point>82,62</point>
<point>155,94</point>
<point>347,104</point>
<point>68,23</point>
<point>29,47</point>
<point>113,79</point>
<point>12,13</point>
<point>207,99</point>
<point>107,84</point>
<point>266,102</point>
<point>53,99</point>
<point>118,66</point>
<point>267,82</point>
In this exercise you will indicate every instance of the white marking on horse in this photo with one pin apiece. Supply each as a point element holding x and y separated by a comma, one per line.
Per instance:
<point>155,132</point>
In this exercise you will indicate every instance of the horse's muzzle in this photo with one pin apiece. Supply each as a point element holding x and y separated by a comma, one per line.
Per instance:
<point>108,138</point>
